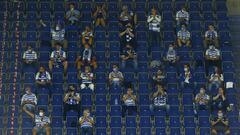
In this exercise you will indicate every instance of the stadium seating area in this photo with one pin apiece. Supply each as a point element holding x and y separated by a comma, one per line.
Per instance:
<point>106,46</point>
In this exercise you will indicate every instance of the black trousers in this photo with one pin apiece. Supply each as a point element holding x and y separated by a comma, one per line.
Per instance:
<point>69,107</point>
<point>130,110</point>
<point>209,63</point>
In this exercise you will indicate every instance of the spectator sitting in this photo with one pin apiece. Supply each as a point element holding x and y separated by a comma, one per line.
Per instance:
<point>159,100</point>
<point>183,37</point>
<point>216,79</point>
<point>171,56</point>
<point>182,17</point>
<point>220,124</point>
<point>71,102</point>
<point>58,58</point>
<point>87,36</point>
<point>212,58</point>
<point>87,59</point>
<point>116,77</point>
<point>154,22</point>
<point>127,17</point>
<point>86,122</point>
<point>29,57</point>
<point>87,79</point>
<point>186,77</point>
<point>201,101</point>
<point>58,36</point>
<point>72,15</point>
<point>220,101</point>
<point>100,15</point>
<point>211,36</point>
<point>129,54</point>
<point>129,103</point>
<point>43,78</point>
<point>41,122</point>
<point>159,78</point>
<point>29,101</point>
<point>127,36</point>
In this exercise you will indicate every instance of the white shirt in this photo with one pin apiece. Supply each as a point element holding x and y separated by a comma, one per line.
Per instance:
<point>182,14</point>
<point>154,22</point>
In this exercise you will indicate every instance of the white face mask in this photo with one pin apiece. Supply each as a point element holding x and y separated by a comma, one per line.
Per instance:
<point>115,69</point>
<point>220,115</point>
<point>185,69</point>
<point>41,114</point>
<point>202,91</point>
<point>57,28</point>
<point>170,48</point>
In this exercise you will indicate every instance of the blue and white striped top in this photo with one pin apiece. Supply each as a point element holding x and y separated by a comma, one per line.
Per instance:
<point>160,100</point>
<point>183,35</point>
<point>129,102</point>
<point>86,122</point>
<point>58,35</point>
<point>213,53</point>
<point>211,34</point>
<point>41,121</point>
<point>30,55</point>
<point>32,97</point>
<point>43,76</point>
<point>86,77</point>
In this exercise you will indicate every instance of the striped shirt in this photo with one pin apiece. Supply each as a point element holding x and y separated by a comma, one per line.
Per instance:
<point>73,101</point>
<point>86,77</point>
<point>87,53</point>
<point>182,15</point>
<point>43,76</point>
<point>56,55</point>
<point>171,55</point>
<point>160,100</point>
<point>29,55</point>
<point>213,53</point>
<point>87,34</point>
<point>72,15</point>
<point>125,17</point>
<point>129,102</point>
<point>41,121</point>
<point>29,97</point>
<point>183,35</point>
<point>154,22</point>
<point>58,35</point>
<point>211,34</point>
<point>86,122</point>
<point>202,98</point>
<point>116,76</point>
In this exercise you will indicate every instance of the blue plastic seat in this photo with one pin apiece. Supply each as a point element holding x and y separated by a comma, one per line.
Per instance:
<point>195,26</point>
<point>145,122</point>
<point>101,100</point>
<point>115,111</point>
<point>167,16</point>
<point>194,6</point>
<point>100,36</point>
<point>166,6</point>
<point>57,110</point>
<point>31,6</point>
<point>174,111</point>
<point>145,131</point>
<point>160,131</point>
<point>114,57</point>
<point>144,99</point>
<point>144,110</point>
<point>101,122</point>
<point>188,99</point>
<point>100,77</point>
<point>205,131</point>
<point>175,131</point>
<point>130,131</point>
<point>29,78</point>
<point>204,122</point>
<point>207,6</point>
<point>27,131</point>
<point>189,122</point>
<point>221,6</point>
<point>188,111</point>
<point>57,131</point>
<point>115,122</point>
<point>57,78</point>
<point>43,100</point>
<point>171,77</point>
<point>86,100</point>
<point>131,122</point>
<point>195,16</point>
<point>174,122</point>
<point>72,131</point>
<point>190,131</point>
<point>27,123</point>
<point>57,122</point>
<point>101,110</point>
<point>72,78</point>
<point>116,131</point>
<point>168,36</point>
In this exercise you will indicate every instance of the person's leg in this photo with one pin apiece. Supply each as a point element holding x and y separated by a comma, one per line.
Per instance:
<point>124,109</point>
<point>65,66</point>
<point>83,86</point>
<point>152,110</point>
<point>123,64</point>
<point>182,85</point>
<point>216,43</point>
<point>195,108</point>
<point>48,130</point>
<point>66,108</point>
<point>167,107</point>
<point>34,131</point>
<point>135,63</point>
<point>53,42</point>
<point>65,44</point>
<point>91,86</point>
<point>102,22</point>
<point>179,42</point>
<point>50,65</point>
<point>214,132</point>
<point>227,132</point>
<point>83,131</point>
<point>97,22</point>
<point>188,43</point>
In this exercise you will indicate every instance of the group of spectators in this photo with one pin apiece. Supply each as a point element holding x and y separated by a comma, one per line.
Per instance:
<point>86,62</point>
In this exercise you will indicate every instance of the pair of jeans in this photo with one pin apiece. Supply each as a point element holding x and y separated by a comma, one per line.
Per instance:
<point>68,107</point>
<point>153,108</point>
<point>197,107</point>
<point>129,109</point>
<point>86,131</point>
<point>134,62</point>
<point>217,84</point>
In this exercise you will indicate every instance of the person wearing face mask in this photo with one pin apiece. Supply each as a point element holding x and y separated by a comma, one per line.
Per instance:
<point>71,102</point>
<point>29,58</point>
<point>171,58</point>
<point>87,36</point>
<point>129,103</point>
<point>201,102</point>
<point>212,58</point>
<point>159,78</point>
<point>29,100</point>
<point>115,77</point>
<point>211,37</point>
<point>186,77</point>
<point>220,124</point>
<point>42,122</point>
<point>58,58</point>
<point>129,54</point>
<point>182,17</point>
<point>86,122</point>
<point>154,22</point>
<point>43,78</point>
<point>87,79</point>
<point>160,99</point>
<point>183,37</point>
<point>58,36</point>
<point>220,101</point>
<point>216,79</point>
<point>127,16</point>
<point>100,15</point>
<point>127,37</point>
<point>72,15</point>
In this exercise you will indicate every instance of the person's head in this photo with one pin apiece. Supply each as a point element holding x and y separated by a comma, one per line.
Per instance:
<point>86,112</point>
<point>87,69</point>
<point>41,112</point>
<point>129,91</point>
<point>58,46</point>
<point>210,27</point>
<point>221,91</point>
<point>58,27</point>
<point>212,47</point>
<point>125,8</point>
<point>71,88</point>
<point>87,28</point>
<point>183,27</point>
<point>29,48</point>
<point>159,71</point>
<point>171,47</point>
<point>154,11</point>
<point>86,46</point>
<point>71,6</point>
<point>41,69</point>
<point>217,70</point>
<point>220,114</point>
<point>115,68</point>
<point>186,67</point>
<point>202,90</point>
<point>28,90</point>
<point>184,8</point>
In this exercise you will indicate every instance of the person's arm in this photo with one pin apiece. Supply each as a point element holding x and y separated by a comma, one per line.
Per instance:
<point>187,16</point>
<point>52,56</point>
<point>66,97</point>
<point>155,94</point>
<point>48,76</point>
<point>221,77</point>
<point>63,58</point>
<point>158,18</point>
<point>225,122</point>
<point>124,97</point>
<point>35,100</point>
<point>30,114</point>
<point>81,120</point>
<point>95,13</point>
<point>177,16</point>
<point>211,78</point>
<point>122,33</point>
<point>121,76</point>
<point>37,78</point>
<point>110,76</point>
<point>197,99</point>
<point>23,100</point>
<point>214,122</point>
<point>77,97</point>
<point>216,97</point>
<point>150,18</point>
<point>134,97</point>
